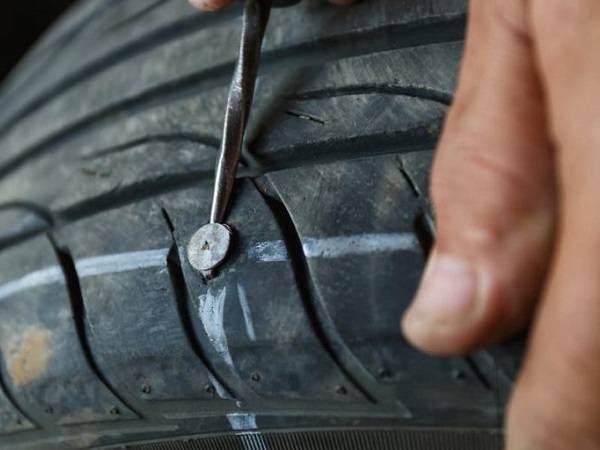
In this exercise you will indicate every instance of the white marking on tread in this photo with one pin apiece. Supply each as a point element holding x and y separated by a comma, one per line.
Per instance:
<point>245,423</point>
<point>219,389</point>
<point>361,244</point>
<point>267,251</point>
<point>87,267</point>
<point>121,262</point>
<point>246,310</point>
<point>337,246</point>
<point>49,275</point>
<point>211,310</point>
<point>242,421</point>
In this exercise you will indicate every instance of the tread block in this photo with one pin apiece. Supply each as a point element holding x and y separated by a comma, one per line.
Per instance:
<point>175,68</point>
<point>251,317</point>
<point>107,41</point>
<point>131,309</point>
<point>11,419</point>
<point>181,137</point>
<point>366,284</point>
<point>362,104</point>
<point>370,125</point>
<point>413,71</point>
<point>43,363</point>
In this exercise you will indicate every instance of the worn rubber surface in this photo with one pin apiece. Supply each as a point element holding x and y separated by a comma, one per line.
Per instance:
<point>108,137</point>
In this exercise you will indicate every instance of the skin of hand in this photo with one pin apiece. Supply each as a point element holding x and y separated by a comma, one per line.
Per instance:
<point>215,5</point>
<point>515,186</point>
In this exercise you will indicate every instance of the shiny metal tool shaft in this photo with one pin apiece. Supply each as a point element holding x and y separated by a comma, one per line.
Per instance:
<point>256,16</point>
<point>209,246</point>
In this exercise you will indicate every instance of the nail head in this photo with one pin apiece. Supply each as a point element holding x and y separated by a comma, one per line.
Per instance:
<point>209,246</point>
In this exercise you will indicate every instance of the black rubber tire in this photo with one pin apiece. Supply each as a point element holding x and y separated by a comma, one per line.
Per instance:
<point>108,337</point>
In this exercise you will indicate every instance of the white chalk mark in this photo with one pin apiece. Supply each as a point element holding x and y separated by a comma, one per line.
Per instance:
<point>121,262</point>
<point>361,244</point>
<point>337,246</point>
<point>219,389</point>
<point>42,277</point>
<point>267,252</point>
<point>87,267</point>
<point>245,424</point>
<point>211,310</point>
<point>246,310</point>
<point>242,421</point>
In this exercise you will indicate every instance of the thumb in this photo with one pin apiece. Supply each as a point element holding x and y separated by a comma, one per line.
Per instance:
<point>493,191</point>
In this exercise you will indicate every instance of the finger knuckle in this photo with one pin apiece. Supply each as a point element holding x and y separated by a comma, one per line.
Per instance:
<point>468,168</point>
<point>510,13</point>
<point>479,195</point>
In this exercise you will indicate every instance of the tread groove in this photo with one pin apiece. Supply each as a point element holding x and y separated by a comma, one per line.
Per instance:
<point>168,33</point>
<point>478,373</point>
<point>41,211</point>
<point>304,54</point>
<point>336,350</point>
<point>10,398</point>
<point>175,271</point>
<point>426,234</point>
<point>421,92</point>
<point>134,17</point>
<point>136,192</point>
<point>174,138</point>
<point>418,139</point>
<point>45,54</point>
<point>73,284</point>
<point>116,198</point>
<point>424,224</point>
<point>299,155</point>
<point>150,98</point>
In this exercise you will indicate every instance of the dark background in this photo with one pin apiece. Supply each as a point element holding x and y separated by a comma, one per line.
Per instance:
<point>21,23</point>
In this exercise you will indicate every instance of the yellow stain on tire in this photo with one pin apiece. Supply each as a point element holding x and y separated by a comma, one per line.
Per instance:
<point>29,355</point>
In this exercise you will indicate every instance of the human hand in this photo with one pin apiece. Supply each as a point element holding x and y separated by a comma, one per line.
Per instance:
<point>215,5</point>
<point>515,185</point>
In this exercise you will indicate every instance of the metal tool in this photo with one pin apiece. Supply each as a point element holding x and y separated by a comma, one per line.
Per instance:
<point>210,244</point>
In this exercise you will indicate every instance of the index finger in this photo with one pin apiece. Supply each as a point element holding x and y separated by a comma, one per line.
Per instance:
<point>556,402</point>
